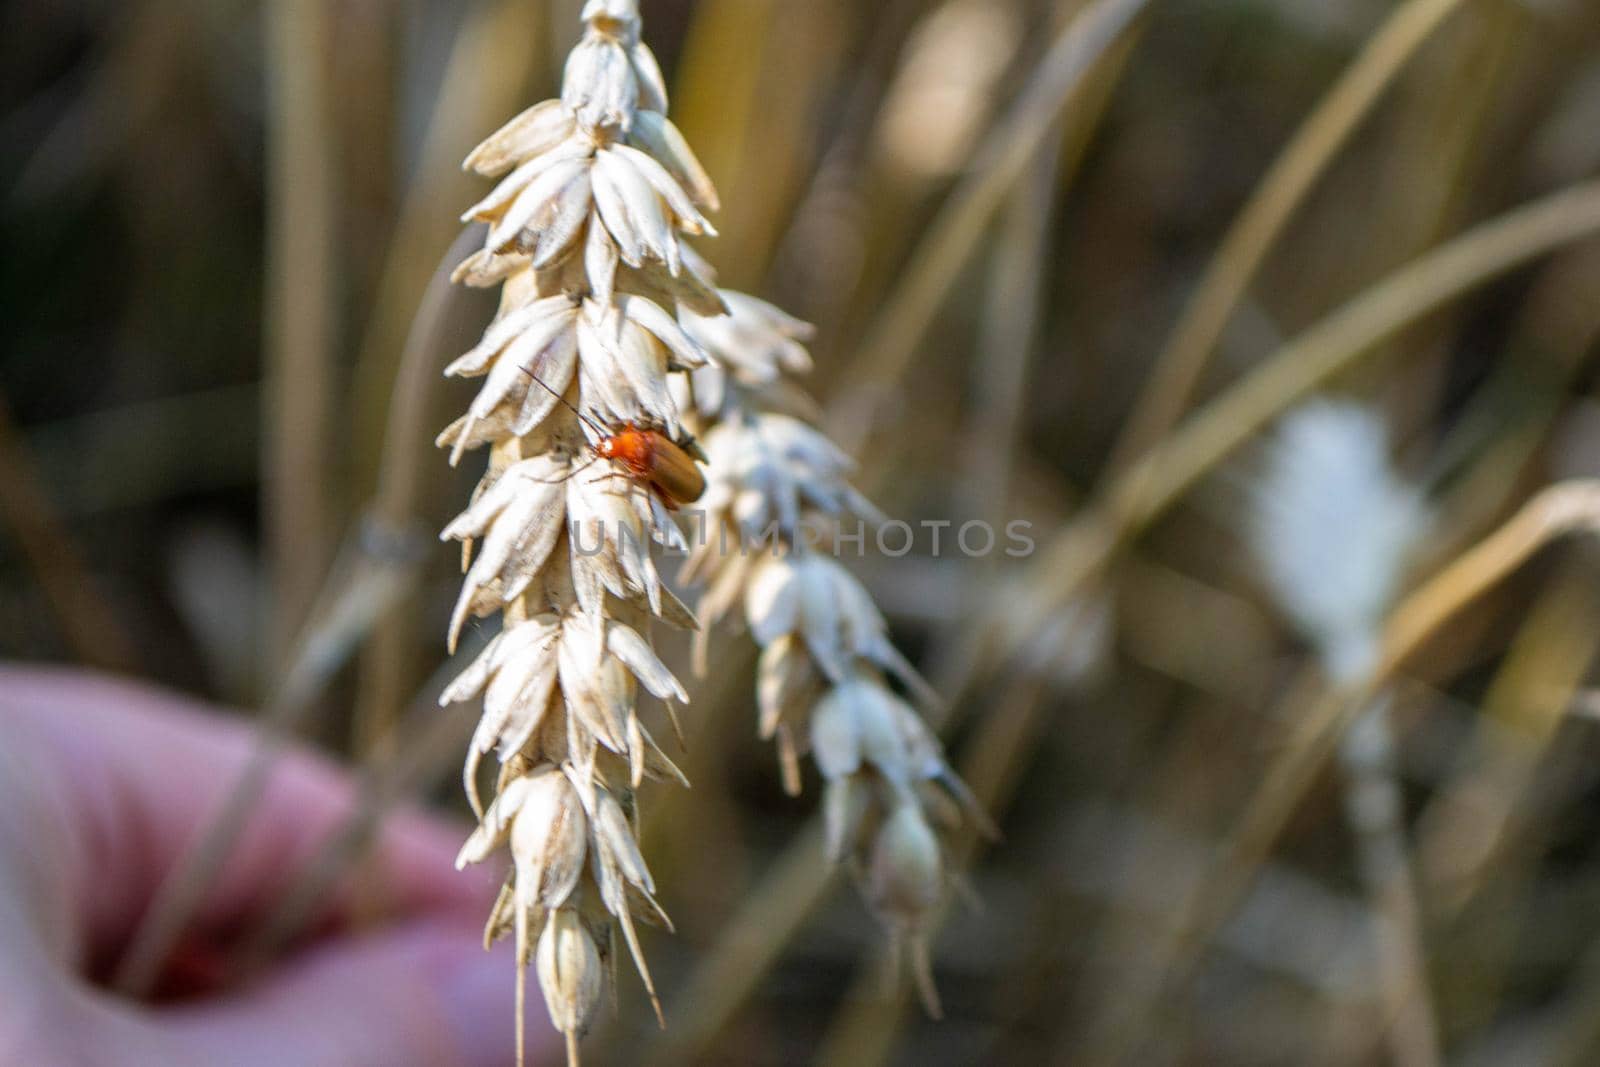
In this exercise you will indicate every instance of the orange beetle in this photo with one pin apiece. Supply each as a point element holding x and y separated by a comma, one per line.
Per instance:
<point>668,468</point>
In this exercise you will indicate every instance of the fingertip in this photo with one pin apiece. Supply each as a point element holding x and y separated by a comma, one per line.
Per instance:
<point>476,991</point>
<point>417,852</point>
<point>426,995</point>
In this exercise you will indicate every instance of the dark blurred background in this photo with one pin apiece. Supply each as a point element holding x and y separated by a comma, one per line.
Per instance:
<point>217,228</point>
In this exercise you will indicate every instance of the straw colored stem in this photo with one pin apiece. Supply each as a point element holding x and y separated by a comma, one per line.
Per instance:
<point>363,587</point>
<point>1334,345</point>
<point>1559,510</point>
<point>1374,809</point>
<point>1012,312</point>
<point>402,767</point>
<point>1484,837</point>
<point>718,104</point>
<point>396,506</point>
<point>1567,507</point>
<point>751,942</point>
<point>379,568</point>
<point>1003,159</point>
<point>489,62</point>
<point>299,312</point>
<point>1010,332</point>
<point>1259,225</point>
<point>1469,826</point>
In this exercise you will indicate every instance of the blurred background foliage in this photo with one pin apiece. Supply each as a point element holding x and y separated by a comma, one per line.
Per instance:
<point>219,223</point>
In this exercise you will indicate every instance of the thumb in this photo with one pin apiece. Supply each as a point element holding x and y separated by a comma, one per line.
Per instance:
<point>426,995</point>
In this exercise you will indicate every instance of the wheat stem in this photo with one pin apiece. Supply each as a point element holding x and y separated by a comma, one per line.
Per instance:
<point>1559,510</point>
<point>1374,808</point>
<point>1262,220</point>
<point>301,320</point>
<point>1000,162</point>
<point>1338,342</point>
<point>365,584</point>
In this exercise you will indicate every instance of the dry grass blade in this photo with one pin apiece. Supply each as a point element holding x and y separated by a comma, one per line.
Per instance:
<point>1559,510</point>
<point>1276,198</point>
<point>1013,313</point>
<point>399,492</point>
<point>1565,508</point>
<point>1475,833</point>
<point>300,311</point>
<point>399,767</point>
<point>363,587</point>
<point>938,258</point>
<point>1231,874</point>
<point>750,944</point>
<point>1333,345</point>
<point>1000,381</point>
<point>747,120</point>
<point>376,572</point>
<point>490,60</point>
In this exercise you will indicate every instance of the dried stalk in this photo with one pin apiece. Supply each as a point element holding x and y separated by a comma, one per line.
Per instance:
<point>1557,511</point>
<point>396,768</point>
<point>301,321</point>
<point>1003,158</point>
<point>1334,345</point>
<point>490,60</point>
<point>1272,204</point>
<point>371,576</point>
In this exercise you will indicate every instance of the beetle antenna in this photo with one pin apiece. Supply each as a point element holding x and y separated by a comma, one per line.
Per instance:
<point>586,466</point>
<point>585,419</point>
<point>569,475</point>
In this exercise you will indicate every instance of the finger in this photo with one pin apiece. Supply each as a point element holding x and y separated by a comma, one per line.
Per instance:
<point>137,776</point>
<point>422,995</point>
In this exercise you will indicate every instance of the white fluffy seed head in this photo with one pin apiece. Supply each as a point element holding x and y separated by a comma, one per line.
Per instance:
<point>1333,527</point>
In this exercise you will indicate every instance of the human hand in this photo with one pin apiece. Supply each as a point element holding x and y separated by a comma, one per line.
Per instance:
<point>102,787</point>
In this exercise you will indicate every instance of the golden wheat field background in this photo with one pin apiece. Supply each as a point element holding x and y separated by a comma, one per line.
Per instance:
<point>1263,332</point>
